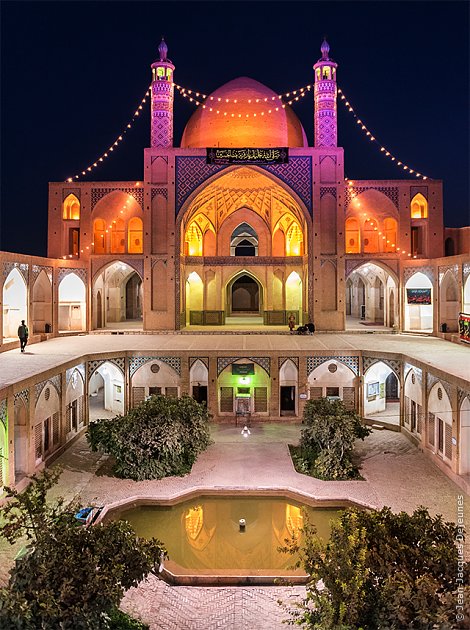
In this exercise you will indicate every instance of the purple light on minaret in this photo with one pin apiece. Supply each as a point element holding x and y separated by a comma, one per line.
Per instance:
<point>161,124</point>
<point>325,117</point>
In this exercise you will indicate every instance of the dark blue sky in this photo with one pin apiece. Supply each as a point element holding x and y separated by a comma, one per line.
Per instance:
<point>72,74</point>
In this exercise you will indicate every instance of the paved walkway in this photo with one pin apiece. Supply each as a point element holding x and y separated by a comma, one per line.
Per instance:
<point>443,356</point>
<point>396,474</point>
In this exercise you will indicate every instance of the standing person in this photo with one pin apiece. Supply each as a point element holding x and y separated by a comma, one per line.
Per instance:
<point>291,322</point>
<point>23,334</point>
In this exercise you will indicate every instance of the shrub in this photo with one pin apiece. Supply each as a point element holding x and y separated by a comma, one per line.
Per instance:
<point>70,576</point>
<point>381,570</point>
<point>327,438</point>
<point>161,437</point>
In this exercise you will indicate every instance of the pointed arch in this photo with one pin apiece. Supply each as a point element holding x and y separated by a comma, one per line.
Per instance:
<point>15,303</point>
<point>72,303</point>
<point>449,303</point>
<point>135,230</point>
<point>352,239</point>
<point>71,208</point>
<point>99,236</point>
<point>390,233</point>
<point>294,240</point>
<point>371,236</point>
<point>193,240</point>
<point>419,207</point>
<point>42,303</point>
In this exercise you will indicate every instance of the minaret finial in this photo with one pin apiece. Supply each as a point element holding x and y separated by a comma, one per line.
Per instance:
<point>325,49</point>
<point>163,50</point>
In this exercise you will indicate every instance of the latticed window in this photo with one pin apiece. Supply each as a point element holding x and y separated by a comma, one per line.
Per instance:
<point>431,428</point>
<point>316,393</point>
<point>38,441</point>
<point>226,399</point>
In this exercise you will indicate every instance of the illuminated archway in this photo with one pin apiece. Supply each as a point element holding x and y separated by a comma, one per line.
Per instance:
<point>71,208</point>
<point>294,240</point>
<point>419,207</point>
<point>390,229</point>
<point>371,291</point>
<point>194,298</point>
<point>193,240</point>
<point>99,236</point>
<point>135,236</point>
<point>419,303</point>
<point>106,392</point>
<point>15,304</point>
<point>294,294</point>
<point>381,394</point>
<point>244,295</point>
<point>72,303</point>
<point>117,297</point>
<point>352,240</point>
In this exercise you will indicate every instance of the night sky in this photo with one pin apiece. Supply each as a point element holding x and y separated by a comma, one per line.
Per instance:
<point>72,74</point>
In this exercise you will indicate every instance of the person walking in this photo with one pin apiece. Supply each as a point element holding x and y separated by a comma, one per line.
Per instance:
<point>23,334</point>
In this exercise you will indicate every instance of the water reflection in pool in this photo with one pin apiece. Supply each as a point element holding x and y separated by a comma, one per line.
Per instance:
<point>204,533</point>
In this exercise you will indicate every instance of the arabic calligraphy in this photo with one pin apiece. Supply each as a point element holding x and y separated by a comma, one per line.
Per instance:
<point>247,155</point>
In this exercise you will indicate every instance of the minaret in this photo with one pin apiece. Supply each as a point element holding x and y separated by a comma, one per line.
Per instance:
<point>326,125</point>
<point>161,124</point>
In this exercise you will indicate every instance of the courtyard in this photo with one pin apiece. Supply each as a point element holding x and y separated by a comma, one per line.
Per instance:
<point>395,473</point>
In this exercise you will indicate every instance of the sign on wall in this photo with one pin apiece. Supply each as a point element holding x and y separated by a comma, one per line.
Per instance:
<point>464,327</point>
<point>247,156</point>
<point>243,369</point>
<point>418,296</point>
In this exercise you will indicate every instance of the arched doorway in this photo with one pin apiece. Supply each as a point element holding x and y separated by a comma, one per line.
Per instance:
<point>42,304</point>
<point>449,303</point>
<point>72,303</point>
<point>117,297</point>
<point>418,303</point>
<point>244,296</point>
<point>381,395</point>
<point>106,392</point>
<point>370,298</point>
<point>15,300</point>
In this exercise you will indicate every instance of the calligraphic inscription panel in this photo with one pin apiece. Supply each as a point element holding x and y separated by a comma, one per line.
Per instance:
<point>217,155</point>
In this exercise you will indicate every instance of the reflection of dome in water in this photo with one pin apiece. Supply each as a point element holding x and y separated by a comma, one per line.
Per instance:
<point>281,128</point>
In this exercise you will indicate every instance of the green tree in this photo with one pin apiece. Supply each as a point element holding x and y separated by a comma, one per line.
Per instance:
<point>161,437</point>
<point>327,438</point>
<point>380,570</point>
<point>69,576</point>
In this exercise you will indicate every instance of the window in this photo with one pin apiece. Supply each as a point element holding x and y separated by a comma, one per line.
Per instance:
<point>135,236</point>
<point>352,244</point>
<point>244,241</point>
<point>155,391</point>
<point>416,241</point>
<point>118,237</point>
<point>71,208</point>
<point>371,236</point>
<point>419,207</point>
<point>326,72</point>
<point>332,391</point>
<point>99,236</point>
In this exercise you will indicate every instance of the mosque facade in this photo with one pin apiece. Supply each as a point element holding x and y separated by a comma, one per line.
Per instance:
<point>243,227</point>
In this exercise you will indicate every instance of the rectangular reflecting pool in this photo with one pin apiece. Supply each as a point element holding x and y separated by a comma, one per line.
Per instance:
<point>204,536</point>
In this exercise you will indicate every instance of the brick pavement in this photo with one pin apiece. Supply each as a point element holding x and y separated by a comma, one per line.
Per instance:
<point>396,473</point>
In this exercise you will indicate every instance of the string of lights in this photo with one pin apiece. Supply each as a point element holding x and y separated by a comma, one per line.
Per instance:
<point>115,144</point>
<point>371,137</point>
<point>373,226</point>
<point>218,109</point>
<point>292,93</point>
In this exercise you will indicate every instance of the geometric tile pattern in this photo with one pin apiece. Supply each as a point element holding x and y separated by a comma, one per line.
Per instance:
<point>462,395</point>
<point>160,191</point>
<point>393,364</point>
<point>137,362</point>
<point>410,271</point>
<point>204,360</point>
<point>55,381</point>
<point>191,172</point>
<point>22,396</point>
<point>282,360</point>
<point>80,368</point>
<point>432,380</point>
<point>3,412</point>
<point>99,193</point>
<point>351,362</point>
<point>81,273</point>
<point>327,190</point>
<point>93,365</point>
<point>36,270</point>
<point>454,269</point>
<point>22,268</point>
<point>223,362</point>
<point>389,191</point>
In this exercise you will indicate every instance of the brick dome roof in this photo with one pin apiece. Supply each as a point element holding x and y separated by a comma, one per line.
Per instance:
<point>280,128</point>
